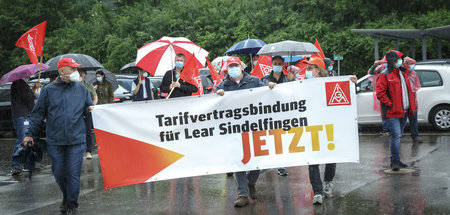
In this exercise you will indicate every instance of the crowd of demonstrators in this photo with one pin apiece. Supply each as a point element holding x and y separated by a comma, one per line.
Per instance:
<point>22,103</point>
<point>171,82</point>
<point>68,101</point>
<point>104,89</point>
<point>397,102</point>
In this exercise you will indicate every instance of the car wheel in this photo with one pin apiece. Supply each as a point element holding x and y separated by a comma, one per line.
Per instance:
<point>440,118</point>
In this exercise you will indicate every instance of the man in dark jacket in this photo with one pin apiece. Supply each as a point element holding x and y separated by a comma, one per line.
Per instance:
<point>64,105</point>
<point>22,102</point>
<point>171,80</point>
<point>397,100</point>
<point>238,80</point>
<point>142,87</point>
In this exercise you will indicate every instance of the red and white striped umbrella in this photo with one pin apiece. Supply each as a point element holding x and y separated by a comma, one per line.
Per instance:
<point>159,56</point>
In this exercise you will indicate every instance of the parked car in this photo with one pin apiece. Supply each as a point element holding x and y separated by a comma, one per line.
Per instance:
<point>126,80</point>
<point>121,95</point>
<point>433,97</point>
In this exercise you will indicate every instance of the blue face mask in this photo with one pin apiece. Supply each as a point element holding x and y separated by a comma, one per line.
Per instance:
<point>277,69</point>
<point>411,67</point>
<point>309,74</point>
<point>234,72</point>
<point>177,75</point>
<point>179,64</point>
<point>99,79</point>
<point>399,63</point>
<point>297,77</point>
<point>330,68</point>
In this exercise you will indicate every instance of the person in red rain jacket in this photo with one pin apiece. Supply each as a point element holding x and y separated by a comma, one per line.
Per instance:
<point>397,101</point>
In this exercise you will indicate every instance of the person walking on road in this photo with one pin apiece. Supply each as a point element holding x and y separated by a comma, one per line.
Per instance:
<point>409,64</point>
<point>172,81</point>
<point>397,101</point>
<point>64,105</point>
<point>89,124</point>
<point>237,80</point>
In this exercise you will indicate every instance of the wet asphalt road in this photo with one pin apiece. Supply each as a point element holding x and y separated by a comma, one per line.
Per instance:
<point>359,188</point>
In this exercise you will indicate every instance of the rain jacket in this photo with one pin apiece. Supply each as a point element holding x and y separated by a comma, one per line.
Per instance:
<point>247,82</point>
<point>22,99</point>
<point>389,90</point>
<point>63,106</point>
<point>270,78</point>
<point>412,77</point>
<point>105,92</point>
<point>185,89</point>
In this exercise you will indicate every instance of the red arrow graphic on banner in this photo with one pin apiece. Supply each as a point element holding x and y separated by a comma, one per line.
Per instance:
<point>127,161</point>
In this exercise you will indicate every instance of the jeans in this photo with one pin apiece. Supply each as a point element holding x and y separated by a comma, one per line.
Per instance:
<point>89,127</point>
<point>396,126</point>
<point>314,176</point>
<point>413,127</point>
<point>21,125</point>
<point>66,167</point>
<point>242,180</point>
<point>384,125</point>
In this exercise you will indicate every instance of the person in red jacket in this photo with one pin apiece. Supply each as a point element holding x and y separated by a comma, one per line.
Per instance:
<point>397,101</point>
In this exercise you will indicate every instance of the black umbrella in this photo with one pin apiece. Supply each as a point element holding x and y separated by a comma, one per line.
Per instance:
<point>87,63</point>
<point>129,67</point>
<point>29,155</point>
<point>109,76</point>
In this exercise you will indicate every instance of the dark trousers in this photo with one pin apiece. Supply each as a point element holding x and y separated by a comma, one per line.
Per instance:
<point>66,167</point>
<point>314,176</point>
<point>413,127</point>
<point>89,127</point>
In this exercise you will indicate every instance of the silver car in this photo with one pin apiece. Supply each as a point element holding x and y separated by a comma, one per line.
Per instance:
<point>433,97</point>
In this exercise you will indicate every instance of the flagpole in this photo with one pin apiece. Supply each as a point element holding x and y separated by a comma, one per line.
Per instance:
<point>170,93</point>
<point>40,66</point>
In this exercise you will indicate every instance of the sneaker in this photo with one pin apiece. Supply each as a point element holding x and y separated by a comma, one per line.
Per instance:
<point>88,155</point>
<point>328,189</point>
<point>241,201</point>
<point>72,211</point>
<point>16,171</point>
<point>418,139</point>
<point>25,170</point>
<point>384,133</point>
<point>252,191</point>
<point>282,172</point>
<point>395,166</point>
<point>63,207</point>
<point>317,200</point>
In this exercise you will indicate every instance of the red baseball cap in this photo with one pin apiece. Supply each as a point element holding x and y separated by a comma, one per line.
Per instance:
<point>233,60</point>
<point>67,62</point>
<point>316,61</point>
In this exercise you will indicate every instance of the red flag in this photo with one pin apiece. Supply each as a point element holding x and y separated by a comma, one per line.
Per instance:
<point>302,67</point>
<point>320,53</point>
<point>263,66</point>
<point>191,74</point>
<point>214,75</point>
<point>33,41</point>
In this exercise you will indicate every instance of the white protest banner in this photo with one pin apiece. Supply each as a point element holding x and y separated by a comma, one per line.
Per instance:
<point>297,123</point>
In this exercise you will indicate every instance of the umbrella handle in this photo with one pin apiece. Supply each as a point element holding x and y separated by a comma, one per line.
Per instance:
<point>172,90</point>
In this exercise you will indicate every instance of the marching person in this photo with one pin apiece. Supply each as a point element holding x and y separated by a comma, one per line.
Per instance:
<point>237,80</point>
<point>397,101</point>
<point>105,92</point>
<point>413,79</point>
<point>64,105</point>
<point>277,76</point>
<point>142,87</point>
<point>89,124</point>
<point>316,68</point>
<point>172,82</point>
<point>22,103</point>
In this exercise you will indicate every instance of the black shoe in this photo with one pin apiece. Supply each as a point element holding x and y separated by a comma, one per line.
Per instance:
<point>402,165</point>
<point>395,166</point>
<point>418,139</point>
<point>16,171</point>
<point>72,211</point>
<point>63,207</point>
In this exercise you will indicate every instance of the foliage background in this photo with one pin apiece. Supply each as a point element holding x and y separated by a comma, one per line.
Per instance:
<point>111,31</point>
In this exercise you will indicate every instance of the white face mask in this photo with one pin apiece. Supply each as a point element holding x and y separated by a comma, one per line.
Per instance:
<point>75,76</point>
<point>145,74</point>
